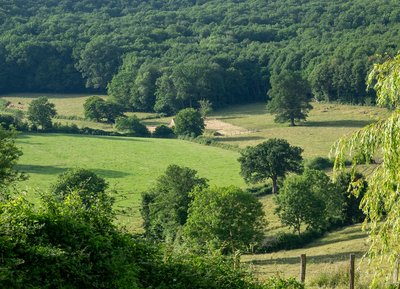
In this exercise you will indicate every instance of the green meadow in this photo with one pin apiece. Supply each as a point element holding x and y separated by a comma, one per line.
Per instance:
<point>130,165</point>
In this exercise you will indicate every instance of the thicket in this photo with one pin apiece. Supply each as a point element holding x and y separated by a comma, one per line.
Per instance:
<point>166,55</point>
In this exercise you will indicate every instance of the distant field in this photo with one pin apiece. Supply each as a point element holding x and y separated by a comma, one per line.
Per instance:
<point>66,104</point>
<point>325,124</point>
<point>328,255</point>
<point>131,165</point>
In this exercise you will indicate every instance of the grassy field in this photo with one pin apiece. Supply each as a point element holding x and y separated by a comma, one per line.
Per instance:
<point>131,165</point>
<point>325,124</point>
<point>66,104</point>
<point>328,255</point>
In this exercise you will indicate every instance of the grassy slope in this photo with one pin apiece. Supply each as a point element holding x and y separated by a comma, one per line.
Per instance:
<point>325,124</point>
<point>131,165</point>
<point>326,255</point>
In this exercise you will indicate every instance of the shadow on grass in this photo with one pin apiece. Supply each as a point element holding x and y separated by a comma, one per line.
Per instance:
<point>318,259</point>
<point>53,170</point>
<point>336,240</point>
<point>241,138</point>
<point>104,137</point>
<point>337,123</point>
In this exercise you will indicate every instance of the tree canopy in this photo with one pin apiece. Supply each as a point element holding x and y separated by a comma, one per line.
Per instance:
<point>145,53</point>
<point>227,219</point>
<point>40,112</point>
<point>271,159</point>
<point>290,97</point>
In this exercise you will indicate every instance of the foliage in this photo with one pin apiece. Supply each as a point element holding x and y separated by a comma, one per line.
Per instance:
<point>98,109</point>
<point>280,283</point>
<point>90,187</point>
<point>189,122</point>
<point>380,203</point>
<point>289,241</point>
<point>146,53</point>
<point>299,203</point>
<point>319,163</point>
<point>205,107</point>
<point>224,218</point>
<point>163,131</point>
<point>132,126</point>
<point>271,159</point>
<point>352,196</point>
<point>290,97</point>
<point>165,206</point>
<point>40,112</point>
<point>260,190</point>
<point>9,155</point>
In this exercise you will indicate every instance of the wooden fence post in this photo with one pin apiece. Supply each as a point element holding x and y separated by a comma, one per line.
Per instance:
<point>302,268</point>
<point>351,271</point>
<point>396,271</point>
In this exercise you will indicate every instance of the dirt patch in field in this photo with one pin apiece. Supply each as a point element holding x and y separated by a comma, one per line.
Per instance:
<point>225,129</point>
<point>222,128</point>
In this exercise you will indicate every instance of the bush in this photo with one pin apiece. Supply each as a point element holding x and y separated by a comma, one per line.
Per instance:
<point>289,241</point>
<point>132,126</point>
<point>319,163</point>
<point>261,190</point>
<point>279,283</point>
<point>163,131</point>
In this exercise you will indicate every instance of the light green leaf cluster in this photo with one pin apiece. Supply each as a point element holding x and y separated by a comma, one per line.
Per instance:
<point>381,203</point>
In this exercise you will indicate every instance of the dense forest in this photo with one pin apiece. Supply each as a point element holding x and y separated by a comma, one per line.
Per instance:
<point>165,55</point>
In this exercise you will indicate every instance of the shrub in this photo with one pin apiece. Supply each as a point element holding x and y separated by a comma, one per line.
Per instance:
<point>163,131</point>
<point>279,283</point>
<point>261,190</point>
<point>289,241</point>
<point>132,126</point>
<point>319,163</point>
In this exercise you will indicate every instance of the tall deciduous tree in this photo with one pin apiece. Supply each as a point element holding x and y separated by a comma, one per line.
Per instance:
<point>165,206</point>
<point>381,202</point>
<point>271,159</point>
<point>40,112</point>
<point>299,203</point>
<point>228,219</point>
<point>290,97</point>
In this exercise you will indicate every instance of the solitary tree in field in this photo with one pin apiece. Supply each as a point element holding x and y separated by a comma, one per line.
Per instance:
<point>290,97</point>
<point>40,112</point>
<point>189,122</point>
<point>381,201</point>
<point>270,160</point>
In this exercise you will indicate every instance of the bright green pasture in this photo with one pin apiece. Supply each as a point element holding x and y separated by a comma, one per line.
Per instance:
<point>326,123</point>
<point>130,165</point>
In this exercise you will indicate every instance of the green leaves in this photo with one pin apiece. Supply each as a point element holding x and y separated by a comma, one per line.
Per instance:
<point>40,112</point>
<point>271,159</point>
<point>224,218</point>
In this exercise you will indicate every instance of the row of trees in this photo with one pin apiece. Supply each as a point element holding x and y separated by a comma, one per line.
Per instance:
<point>146,53</point>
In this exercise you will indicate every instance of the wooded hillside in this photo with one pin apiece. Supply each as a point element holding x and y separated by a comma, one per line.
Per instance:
<point>165,55</point>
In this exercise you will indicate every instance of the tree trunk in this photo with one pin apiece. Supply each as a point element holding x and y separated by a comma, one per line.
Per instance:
<point>292,122</point>
<point>274,185</point>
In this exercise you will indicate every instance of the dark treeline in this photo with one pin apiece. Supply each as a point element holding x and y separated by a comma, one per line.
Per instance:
<point>165,55</point>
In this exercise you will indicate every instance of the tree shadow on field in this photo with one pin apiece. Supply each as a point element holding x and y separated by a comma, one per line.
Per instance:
<point>241,138</point>
<point>54,170</point>
<point>337,123</point>
<point>316,259</point>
